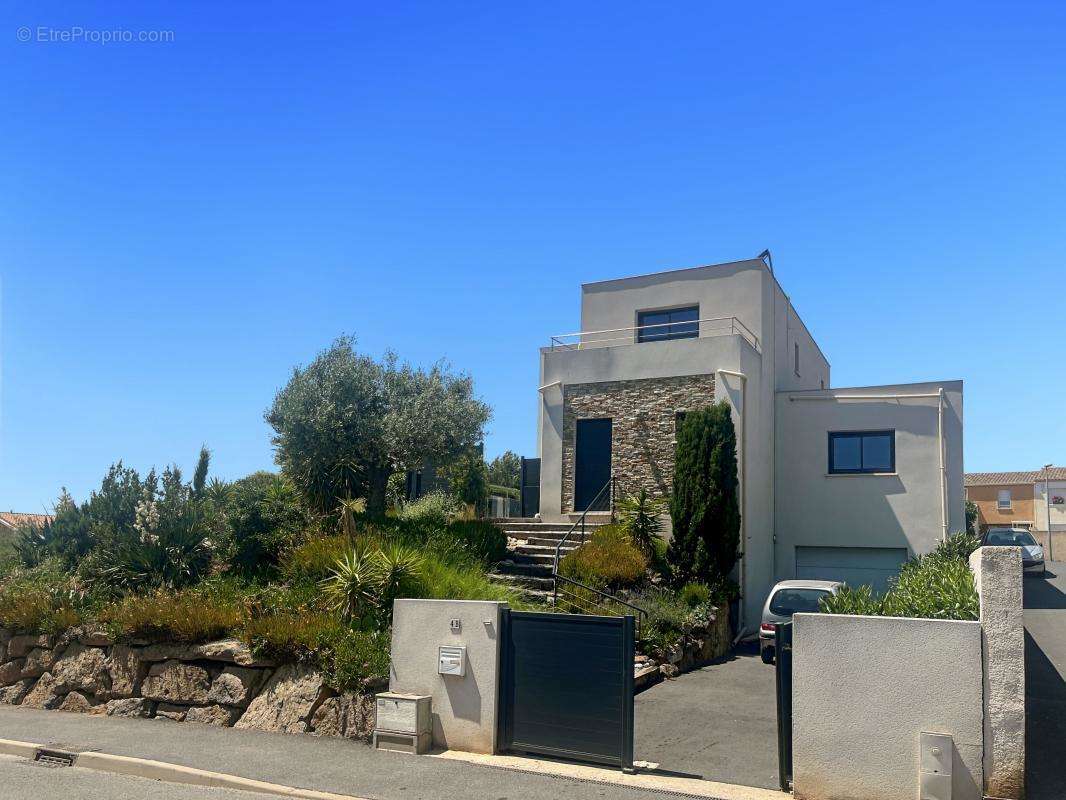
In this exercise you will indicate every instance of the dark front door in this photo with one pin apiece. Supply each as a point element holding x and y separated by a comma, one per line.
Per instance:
<point>592,464</point>
<point>530,486</point>
<point>567,686</point>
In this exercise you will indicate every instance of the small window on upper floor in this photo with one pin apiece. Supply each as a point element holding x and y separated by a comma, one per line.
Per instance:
<point>1003,501</point>
<point>796,351</point>
<point>862,451</point>
<point>673,323</point>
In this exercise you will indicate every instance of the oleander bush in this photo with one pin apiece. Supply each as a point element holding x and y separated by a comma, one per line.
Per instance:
<point>938,585</point>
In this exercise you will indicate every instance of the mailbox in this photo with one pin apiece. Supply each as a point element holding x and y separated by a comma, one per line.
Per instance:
<point>451,660</point>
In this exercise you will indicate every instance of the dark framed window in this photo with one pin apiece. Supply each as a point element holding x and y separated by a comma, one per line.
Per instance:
<point>674,323</point>
<point>862,451</point>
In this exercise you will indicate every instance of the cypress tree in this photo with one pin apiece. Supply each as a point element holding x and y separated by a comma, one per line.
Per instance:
<point>704,507</point>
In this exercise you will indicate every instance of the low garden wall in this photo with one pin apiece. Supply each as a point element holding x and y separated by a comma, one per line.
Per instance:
<point>215,683</point>
<point>866,687</point>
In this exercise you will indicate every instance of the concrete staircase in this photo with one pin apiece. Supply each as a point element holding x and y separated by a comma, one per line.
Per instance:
<point>529,568</point>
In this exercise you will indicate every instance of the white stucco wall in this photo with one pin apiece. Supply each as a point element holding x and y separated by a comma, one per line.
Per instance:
<point>1042,512</point>
<point>626,362</point>
<point>998,575</point>
<point>464,708</point>
<point>864,688</point>
<point>721,290</point>
<point>903,509</point>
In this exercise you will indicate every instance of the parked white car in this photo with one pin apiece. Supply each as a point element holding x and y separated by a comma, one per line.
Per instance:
<point>784,600</point>
<point>1032,552</point>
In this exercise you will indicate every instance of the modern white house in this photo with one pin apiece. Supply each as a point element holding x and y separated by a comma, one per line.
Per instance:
<point>841,484</point>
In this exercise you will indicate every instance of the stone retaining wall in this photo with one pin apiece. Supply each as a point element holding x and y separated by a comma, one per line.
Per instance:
<point>216,683</point>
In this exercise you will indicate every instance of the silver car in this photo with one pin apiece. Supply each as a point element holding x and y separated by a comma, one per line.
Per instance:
<point>784,600</point>
<point>1032,552</point>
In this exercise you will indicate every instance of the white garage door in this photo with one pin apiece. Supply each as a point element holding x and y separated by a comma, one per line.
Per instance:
<point>856,566</point>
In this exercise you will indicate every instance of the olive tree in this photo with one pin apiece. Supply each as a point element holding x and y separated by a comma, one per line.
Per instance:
<point>344,423</point>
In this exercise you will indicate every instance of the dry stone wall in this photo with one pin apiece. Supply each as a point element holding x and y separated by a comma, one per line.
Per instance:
<point>217,683</point>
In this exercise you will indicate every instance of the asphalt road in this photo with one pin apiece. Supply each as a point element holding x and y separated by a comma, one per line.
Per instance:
<point>325,764</point>
<point>1045,684</point>
<point>24,780</point>
<point>718,723</point>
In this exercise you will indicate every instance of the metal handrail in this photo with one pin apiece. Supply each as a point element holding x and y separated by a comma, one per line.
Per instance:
<point>639,614</point>
<point>735,326</point>
<point>581,522</point>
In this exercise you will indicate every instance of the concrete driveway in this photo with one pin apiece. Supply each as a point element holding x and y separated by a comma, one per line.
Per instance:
<point>1045,683</point>
<point>718,723</point>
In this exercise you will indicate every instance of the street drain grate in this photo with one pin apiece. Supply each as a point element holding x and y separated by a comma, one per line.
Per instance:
<point>53,758</point>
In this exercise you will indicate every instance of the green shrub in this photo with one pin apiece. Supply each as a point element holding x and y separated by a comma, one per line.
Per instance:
<point>705,507</point>
<point>44,599</point>
<point>315,558</point>
<point>939,585</point>
<point>608,560</point>
<point>186,616</point>
<point>933,587</point>
<point>450,579</point>
<point>639,517</point>
<point>958,546</point>
<point>858,600</point>
<point>479,540</point>
<point>348,659</point>
<point>263,518</point>
<point>694,594</point>
<point>435,509</point>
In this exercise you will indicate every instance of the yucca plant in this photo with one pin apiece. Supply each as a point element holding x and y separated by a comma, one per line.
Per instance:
<point>399,573</point>
<point>639,515</point>
<point>353,588</point>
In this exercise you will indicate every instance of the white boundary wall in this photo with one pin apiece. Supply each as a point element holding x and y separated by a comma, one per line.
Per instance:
<point>464,708</point>
<point>865,688</point>
<point>998,573</point>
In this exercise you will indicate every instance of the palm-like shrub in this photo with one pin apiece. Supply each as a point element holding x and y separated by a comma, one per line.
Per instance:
<point>354,587</point>
<point>639,515</point>
<point>399,573</point>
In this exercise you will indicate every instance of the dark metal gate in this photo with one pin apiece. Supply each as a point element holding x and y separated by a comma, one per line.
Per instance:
<point>783,658</point>
<point>566,686</point>
<point>530,487</point>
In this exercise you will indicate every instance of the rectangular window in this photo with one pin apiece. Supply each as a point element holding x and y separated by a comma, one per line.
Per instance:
<point>797,359</point>
<point>1003,501</point>
<point>675,323</point>
<point>862,451</point>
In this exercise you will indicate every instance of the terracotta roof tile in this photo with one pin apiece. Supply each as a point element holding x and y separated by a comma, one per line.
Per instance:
<point>1007,478</point>
<point>9,519</point>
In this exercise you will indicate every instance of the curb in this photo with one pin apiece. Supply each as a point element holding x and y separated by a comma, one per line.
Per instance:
<point>171,773</point>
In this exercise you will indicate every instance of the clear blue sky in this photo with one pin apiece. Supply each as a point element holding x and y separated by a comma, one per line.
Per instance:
<point>181,223</point>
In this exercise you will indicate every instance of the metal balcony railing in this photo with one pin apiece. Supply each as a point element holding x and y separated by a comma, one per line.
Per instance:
<point>713,326</point>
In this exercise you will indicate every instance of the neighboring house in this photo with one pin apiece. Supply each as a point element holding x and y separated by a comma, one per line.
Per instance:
<point>9,520</point>
<point>835,483</point>
<point>1019,499</point>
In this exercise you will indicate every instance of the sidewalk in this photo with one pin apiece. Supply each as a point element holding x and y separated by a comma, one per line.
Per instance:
<point>327,765</point>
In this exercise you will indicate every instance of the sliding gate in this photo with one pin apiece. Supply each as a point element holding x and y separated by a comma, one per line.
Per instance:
<point>567,686</point>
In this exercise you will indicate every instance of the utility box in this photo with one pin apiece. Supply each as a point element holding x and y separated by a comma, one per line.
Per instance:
<point>404,722</point>
<point>934,773</point>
